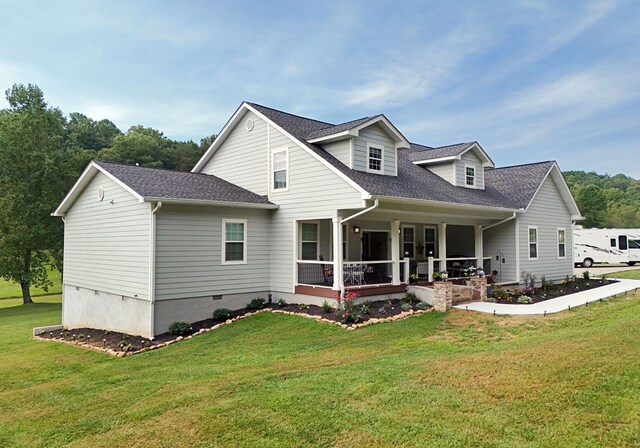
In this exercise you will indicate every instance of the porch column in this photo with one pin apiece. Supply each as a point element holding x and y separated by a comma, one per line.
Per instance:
<point>337,254</point>
<point>479,244</point>
<point>442,245</point>
<point>395,251</point>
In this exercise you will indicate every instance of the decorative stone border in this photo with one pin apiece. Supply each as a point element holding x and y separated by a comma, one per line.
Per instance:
<point>118,354</point>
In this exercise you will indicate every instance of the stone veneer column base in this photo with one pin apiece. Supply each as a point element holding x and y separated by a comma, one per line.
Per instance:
<point>443,296</point>
<point>479,288</point>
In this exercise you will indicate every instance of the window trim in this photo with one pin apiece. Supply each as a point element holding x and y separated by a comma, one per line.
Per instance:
<point>529,242</point>
<point>223,250</point>
<point>564,243</point>
<point>413,243</point>
<point>381,148</point>
<point>435,242</point>
<point>317,224</point>
<point>272,169</point>
<point>475,175</point>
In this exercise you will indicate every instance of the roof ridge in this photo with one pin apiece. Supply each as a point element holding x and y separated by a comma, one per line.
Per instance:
<point>289,113</point>
<point>523,164</point>
<point>150,167</point>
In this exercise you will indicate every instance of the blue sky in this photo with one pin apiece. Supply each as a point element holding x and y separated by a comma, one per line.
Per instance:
<point>530,80</point>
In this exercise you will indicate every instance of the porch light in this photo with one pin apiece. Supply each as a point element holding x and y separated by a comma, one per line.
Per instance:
<point>356,229</point>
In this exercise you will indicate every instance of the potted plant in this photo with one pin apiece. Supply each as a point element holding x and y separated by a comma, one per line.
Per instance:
<point>413,279</point>
<point>437,276</point>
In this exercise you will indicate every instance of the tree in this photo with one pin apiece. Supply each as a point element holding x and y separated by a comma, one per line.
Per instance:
<point>593,204</point>
<point>85,133</point>
<point>33,178</point>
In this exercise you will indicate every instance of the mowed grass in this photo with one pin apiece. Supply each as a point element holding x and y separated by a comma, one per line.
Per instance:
<point>634,275</point>
<point>10,289</point>
<point>458,379</point>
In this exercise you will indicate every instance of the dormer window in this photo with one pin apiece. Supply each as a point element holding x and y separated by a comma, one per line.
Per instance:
<point>470,176</point>
<point>374,162</point>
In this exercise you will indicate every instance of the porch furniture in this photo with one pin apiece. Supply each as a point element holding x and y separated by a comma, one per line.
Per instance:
<point>354,274</point>
<point>422,269</point>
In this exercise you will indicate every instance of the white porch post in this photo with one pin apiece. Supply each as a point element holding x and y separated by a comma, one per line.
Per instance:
<point>442,245</point>
<point>479,244</point>
<point>337,255</point>
<point>395,251</point>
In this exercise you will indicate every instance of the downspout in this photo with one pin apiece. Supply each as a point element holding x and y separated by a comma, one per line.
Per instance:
<point>375,205</point>
<point>152,269</point>
<point>64,232</point>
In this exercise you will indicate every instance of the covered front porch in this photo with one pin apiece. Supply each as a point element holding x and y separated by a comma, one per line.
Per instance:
<point>374,251</point>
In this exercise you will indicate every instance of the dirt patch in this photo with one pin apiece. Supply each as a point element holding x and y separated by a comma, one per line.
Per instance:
<point>546,292</point>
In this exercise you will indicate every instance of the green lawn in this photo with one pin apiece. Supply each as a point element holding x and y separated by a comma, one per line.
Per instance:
<point>8,289</point>
<point>458,379</point>
<point>635,274</point>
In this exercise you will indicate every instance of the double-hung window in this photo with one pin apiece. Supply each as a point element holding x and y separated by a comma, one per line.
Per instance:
<point>470,176</point>
<point>234,241</point>
<point>309,241</point>
<point>279,169</point>
<point>562,243</point>
<point>374,161</point>
<point>430,247</point>
<point>533,243</point>
<point>408,241</point>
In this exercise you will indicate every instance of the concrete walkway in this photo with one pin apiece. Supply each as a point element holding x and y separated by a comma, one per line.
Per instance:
<point>555,305</point>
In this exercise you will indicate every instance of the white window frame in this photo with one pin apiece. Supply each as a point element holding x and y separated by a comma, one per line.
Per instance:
<point>407,242</point>
<point>435,242</point>
<point>564,243</point>
<point>272,169</point>
<point>224,241</point>
<point>529,242</point>
<point>475,171</point>
<point>381,148</point>
<point>317,224</point>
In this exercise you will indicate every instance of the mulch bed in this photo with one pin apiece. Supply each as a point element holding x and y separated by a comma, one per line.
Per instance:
<point>551,291</point>
<point>118,343</point>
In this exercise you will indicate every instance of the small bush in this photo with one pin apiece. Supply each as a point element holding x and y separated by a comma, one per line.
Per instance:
<point>406,306</point>
<point>586,275</point>
<point>256,304</point>
<point>282,303</point>
<point>491,300</point>
<point>524,299</point>
<point>422,306</point>
<point>179,328</point>
<point>326,307</point>
<point>221,314</point>
<point>303,306</point>
<point>364,308</point>
<point>410,297</point>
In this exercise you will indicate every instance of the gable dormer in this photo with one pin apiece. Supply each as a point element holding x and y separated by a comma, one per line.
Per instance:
<point>461,165</point>
<point>369,144</point>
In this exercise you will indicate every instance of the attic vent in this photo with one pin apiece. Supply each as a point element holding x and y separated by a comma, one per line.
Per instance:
<point>100,194</point>
<point>249,124</point>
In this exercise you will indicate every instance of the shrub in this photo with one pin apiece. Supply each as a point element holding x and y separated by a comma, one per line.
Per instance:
<point>364,308</point>
<point>491,300</point>
<point>179,328</point>
<point>410,297</point>
<point>528,278</point>
<point>282,303</point>
<point>303,306</point>
<point>347,307</point>
<point>326,307</point>
<point>500,293</point>
<point>422,306</point>
<point>586,275</point>
<point>256,304</point>
<point>437,276</point>
<point>406,306</point>
<point>524,299</point>
<point>221,314</point>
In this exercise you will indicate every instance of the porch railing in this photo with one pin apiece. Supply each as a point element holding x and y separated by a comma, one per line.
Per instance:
<point>455,267</point>
<point>354,273</point>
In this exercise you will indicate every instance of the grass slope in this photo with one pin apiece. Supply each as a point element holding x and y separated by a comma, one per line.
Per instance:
<point>634,275</point>
<point>9,290</point>
<point>457,379</point>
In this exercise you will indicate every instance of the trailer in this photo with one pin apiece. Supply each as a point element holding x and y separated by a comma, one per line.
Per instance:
<point>605,246</point>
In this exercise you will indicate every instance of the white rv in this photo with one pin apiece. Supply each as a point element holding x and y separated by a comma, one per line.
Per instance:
<point>605,246</point>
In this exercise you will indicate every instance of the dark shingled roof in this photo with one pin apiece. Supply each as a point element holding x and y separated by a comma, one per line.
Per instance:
<point>339,128</point>
<point>178,185</point>
<point>510,187</point>
<point>419,152</point>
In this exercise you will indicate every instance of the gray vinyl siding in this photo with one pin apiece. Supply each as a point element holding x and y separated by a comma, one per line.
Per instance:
<point>444,170</point>
<point>375,135</point>
<point>502,239</point>
<point>106,243</point>
<point>315,192</point>
<point>340,150</point>
<point>469,159</point>
<point>243,158</point>
<point>189,252</point>
<point>548,212</point>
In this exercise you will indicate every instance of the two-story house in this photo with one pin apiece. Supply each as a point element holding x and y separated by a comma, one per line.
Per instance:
<point>288,207</point>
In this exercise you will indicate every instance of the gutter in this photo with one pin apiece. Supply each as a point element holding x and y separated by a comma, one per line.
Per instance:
<point>362,212</point>
<point>206,202</point>
<point>152,269</point>
<point>499,222</point>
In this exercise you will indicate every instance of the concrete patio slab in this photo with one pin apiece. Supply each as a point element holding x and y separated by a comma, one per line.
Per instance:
<point>555,305</point>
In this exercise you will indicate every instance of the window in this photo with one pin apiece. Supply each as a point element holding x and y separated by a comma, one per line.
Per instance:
<point>612,241</point>
<point>234,239</point>
<point>344,242</point>
<point>408,241</point>
<point>470,176</point>
<point>279,160</point>
<point>375,159</point>
<point>533,243</point>
<point>622,242</point>
<point>562,243</point>
<point>430,247</point>
<point>309,241</point>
